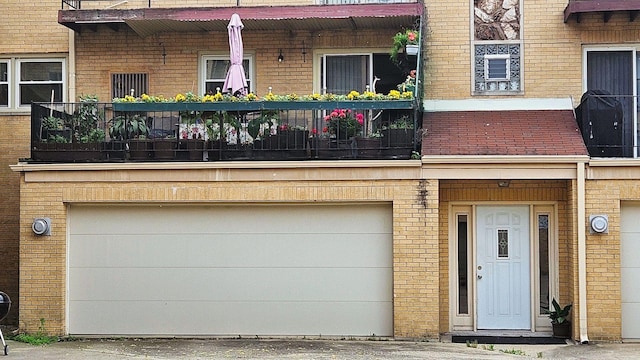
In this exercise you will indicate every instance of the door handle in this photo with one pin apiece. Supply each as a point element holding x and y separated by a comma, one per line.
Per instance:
<point>479,276</point>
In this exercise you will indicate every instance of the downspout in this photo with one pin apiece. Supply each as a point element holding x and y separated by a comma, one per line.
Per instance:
<point>72,66</point>
<point>582,253</point>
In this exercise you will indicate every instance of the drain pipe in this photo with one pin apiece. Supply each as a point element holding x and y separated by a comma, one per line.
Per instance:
<point>582,252</point>
<point>72,67</point>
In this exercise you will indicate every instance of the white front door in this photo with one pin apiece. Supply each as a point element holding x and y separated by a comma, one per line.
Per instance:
<point>502,267</point>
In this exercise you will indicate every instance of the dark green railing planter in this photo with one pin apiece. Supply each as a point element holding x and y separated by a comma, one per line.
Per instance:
<point>265,105</point>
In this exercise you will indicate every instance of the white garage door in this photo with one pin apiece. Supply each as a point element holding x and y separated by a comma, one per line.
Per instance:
<point>230,270</point>
<point>630,270</point>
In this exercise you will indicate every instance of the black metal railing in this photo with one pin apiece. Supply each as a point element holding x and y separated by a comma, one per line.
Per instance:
<point>223,131</point>
<point>77,4</point>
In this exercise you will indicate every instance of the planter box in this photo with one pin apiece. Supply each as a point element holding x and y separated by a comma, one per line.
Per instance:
<point>140,149</point>
<point>368,148</point>
<point>164,149</point>
<point>265,105</point>
<point>68,152</point>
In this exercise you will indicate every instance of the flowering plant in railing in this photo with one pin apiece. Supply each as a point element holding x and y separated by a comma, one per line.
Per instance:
<point>191,97</point>
<point>343,123</point>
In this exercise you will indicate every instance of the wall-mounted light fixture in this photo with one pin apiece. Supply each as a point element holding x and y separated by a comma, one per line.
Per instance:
<point>504,183</point>
<point>280,57</point>
<point>164,54</point>
<point>41,226</point>
<point>598,224</point>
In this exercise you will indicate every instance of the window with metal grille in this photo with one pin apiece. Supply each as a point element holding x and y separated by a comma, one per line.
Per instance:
<point>129,84</point>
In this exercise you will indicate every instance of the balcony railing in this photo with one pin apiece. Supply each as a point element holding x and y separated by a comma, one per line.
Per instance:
<point>132,4</point>
<point>223,131</point>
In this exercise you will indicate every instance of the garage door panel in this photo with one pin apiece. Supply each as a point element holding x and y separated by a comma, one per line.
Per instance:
<point>327,284</point>
<point>227,270</point>
<point>207,250</point>
<point>630,269</point>
<point>231,318</point>
<point>629,249</point>
<point>252,219</point>
<point>630,326</point>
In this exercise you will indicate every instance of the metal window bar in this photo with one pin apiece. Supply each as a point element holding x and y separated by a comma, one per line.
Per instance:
<point>129,84</point>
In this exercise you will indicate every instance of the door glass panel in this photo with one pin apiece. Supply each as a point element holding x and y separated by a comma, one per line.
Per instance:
<point>503,243</point>
<point>463,302</point>
<point>543,238</point>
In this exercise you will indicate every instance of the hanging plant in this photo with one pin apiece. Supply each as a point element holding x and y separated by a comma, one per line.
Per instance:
<point>400,42</point>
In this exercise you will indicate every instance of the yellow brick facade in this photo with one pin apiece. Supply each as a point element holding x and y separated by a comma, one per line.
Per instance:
<point>552,51</point>
<point>415,237</point>
<point>519,191</point>
<point>105,52</point>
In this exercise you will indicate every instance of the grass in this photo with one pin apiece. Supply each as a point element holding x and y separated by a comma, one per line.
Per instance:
<point>39,338</point>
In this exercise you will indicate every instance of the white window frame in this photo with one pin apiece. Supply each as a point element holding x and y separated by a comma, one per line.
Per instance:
<point>203,70</point>
<point>7,83</point>
<point>321,61</point>
<point>507,61</point>
<point>18,81</point>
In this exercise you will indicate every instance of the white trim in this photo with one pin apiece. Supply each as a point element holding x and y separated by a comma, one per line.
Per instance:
<point>18,81</point>
<point>507,68</point>
<point>202,67</point>
<point>582,253</point>
<point>503,104</point>
<point>8,83</point>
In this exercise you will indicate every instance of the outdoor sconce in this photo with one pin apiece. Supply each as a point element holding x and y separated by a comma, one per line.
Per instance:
<point>280,57</point>
<point>503,183</point>
<point>164,54</point>
<point>41,226</point>
<point>598,224</point>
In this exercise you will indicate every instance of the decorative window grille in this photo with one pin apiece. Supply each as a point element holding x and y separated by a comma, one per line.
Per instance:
<point>497,68</point>
<point>129,84</point>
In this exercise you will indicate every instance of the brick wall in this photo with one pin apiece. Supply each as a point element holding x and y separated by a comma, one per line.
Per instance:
<point>104,52</point>
<point>415,247</point>
<point>551,56</point>
<point>470,191</point>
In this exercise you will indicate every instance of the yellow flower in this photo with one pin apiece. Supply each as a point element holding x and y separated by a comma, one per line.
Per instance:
<point>251,96</point>
<point>315,96</point>
<point>407,95</point>
<point>270,97</point>
<point>180,97</point>
<point>145,98</point>
<point>394,94</point>
<point>353,95</point>
<point>369,95</point>
<point>292,97</point>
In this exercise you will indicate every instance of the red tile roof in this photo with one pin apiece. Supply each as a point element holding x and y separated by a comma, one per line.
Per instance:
<point>522,132</point>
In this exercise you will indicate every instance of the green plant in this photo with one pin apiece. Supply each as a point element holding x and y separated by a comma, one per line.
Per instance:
<point>513,352</point>
<point>559,314</point>
<point>472,344</point>
<point>39,338</point>
<point>400,41</point>
<point>261,125</point>
<point>404,122</point>
<point>86,120</point>
<point>124,128</point>
<point>344,123</point>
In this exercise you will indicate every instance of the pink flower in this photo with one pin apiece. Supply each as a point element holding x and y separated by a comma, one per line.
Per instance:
<point>360,118</point>
<point>325,129</point>
<point>342,115</point>
<point>411,36</point>
<point>334,113</point>
<point>314,131</point>
<point>327,118</point>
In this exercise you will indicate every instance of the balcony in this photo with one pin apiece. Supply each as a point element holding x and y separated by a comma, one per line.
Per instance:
<point>224,131</point>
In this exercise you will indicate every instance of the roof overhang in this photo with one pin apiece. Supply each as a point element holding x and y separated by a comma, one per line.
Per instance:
<point>149,21</point>
<point>576,8</point>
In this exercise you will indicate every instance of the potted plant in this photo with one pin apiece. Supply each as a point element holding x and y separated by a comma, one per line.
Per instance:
<point>559,322</point>
<point>344,123</point>
<point>134,131</point>
<point>87,134</point>
<point>407,41</point>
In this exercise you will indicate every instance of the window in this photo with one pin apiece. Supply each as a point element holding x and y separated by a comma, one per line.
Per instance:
<point>129,84</point>
<point>4,83</point>
<point>40,80</point>
<point>341,73</point>
<point>214,72</point>
<point>497,42</point>
<point>497,68</point>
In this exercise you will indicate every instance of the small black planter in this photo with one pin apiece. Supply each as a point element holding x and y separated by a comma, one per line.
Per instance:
<point>562,331</point>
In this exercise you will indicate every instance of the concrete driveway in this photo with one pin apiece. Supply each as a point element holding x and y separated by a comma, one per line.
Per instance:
<point>182,349</point>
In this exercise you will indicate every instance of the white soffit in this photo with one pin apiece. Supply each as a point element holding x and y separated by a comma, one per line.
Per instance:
<point>498,104</point>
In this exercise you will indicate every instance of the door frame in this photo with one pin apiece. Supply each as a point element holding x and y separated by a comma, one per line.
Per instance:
<point>468,321</point>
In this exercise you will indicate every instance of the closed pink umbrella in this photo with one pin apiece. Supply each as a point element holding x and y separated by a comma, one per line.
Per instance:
<point>236,80</point>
